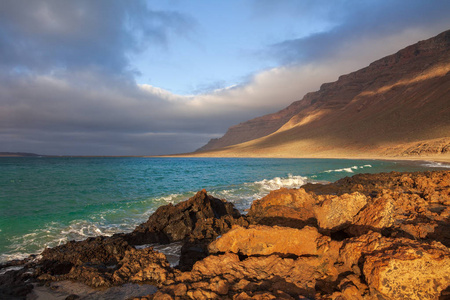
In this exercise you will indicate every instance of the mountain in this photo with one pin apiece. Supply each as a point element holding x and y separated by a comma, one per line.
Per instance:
<point>397,106</point>
<point>18,154</point>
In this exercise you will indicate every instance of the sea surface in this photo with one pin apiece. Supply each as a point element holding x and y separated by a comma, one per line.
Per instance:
<point>47,201</point>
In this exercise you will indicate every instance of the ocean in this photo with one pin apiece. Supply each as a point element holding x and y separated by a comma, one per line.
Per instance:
<point>47,201</point>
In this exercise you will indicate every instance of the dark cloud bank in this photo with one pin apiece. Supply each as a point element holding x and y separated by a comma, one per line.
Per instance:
<point>67,86</point>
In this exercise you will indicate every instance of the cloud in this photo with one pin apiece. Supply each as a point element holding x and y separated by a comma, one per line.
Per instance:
<point>43,35</point>
<point>67,86</point>
<point>354,21</point>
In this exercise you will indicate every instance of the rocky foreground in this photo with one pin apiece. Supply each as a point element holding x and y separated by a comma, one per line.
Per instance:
<point>371,236</point>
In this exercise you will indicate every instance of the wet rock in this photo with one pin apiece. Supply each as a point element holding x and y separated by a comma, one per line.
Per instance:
<point>103,251</point>
<point>15,284</point>
<point>199,215</point>
<point>372,237</point>
<point>133,266</point>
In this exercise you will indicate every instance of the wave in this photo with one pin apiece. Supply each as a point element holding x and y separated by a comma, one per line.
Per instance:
<point>432,164</point>
<point>349,169</point>
<point>125,219</point>
<point>279,182</point>
<point>55,234</point>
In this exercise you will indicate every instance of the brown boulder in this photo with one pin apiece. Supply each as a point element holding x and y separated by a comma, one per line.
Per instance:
<point>142,265</point>
<point>409,271</point>
<point>267,240</point>
<point>291,207</point>
<point>336,212</point>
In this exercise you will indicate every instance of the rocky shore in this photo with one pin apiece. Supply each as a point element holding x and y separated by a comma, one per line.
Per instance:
<point>371,236</point>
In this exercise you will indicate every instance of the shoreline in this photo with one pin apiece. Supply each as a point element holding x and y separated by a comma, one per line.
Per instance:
<point>438,159</point>
<point>317,241</point>
<point>320,241</point>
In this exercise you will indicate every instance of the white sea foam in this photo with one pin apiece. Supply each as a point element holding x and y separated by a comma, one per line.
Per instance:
<point>113,221</point>
<point>349,169</point>
<point>15,268</point>
<point>55,234</point>
<point>279,182</point>
<point>432,164</point>
<point>173,198</point>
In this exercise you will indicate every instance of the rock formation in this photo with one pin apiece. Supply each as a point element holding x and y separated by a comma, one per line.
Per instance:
<point>371,236</point>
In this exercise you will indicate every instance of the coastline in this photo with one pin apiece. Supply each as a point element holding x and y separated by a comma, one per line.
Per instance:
<point>338,233</point>
<point>434,158</point>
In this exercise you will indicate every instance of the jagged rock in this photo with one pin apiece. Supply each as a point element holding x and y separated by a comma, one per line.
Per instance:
<point>374,237</point>
<point>100,250</point>
<point>103,262</point>
<point>199,215</point>
<point>267,273</point>
<point>142,265</point>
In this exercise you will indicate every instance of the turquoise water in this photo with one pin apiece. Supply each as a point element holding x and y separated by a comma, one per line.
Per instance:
<point>48,201</point>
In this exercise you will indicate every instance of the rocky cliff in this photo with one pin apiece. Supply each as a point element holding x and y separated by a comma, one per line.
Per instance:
<point>386,108</point>
<point>371,236</point>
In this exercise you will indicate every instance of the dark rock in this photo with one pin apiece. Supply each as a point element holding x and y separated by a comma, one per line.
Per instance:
<point>198,216</point>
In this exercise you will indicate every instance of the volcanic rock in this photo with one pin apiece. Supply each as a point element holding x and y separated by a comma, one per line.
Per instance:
<point>409,270</point>
<point>335,212</point>
<point>373,237</point>
<point>267,240</point>
<point>200,215</point>
<point>287,207</point>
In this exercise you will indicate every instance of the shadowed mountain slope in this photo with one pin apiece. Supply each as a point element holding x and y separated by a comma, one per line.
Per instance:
<point>397,106</point>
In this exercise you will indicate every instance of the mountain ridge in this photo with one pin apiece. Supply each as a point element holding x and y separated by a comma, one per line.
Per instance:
<point>397,100</point>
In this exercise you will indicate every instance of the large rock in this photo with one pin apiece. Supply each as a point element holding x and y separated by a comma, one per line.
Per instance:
<point>373,237</point>
<point>274,276</point>
<point>136,265</point>
<point>289,204</point>
<point>409,271</point>
<point>337,212</point>
<point>267,240</point>
<point>171,223</point>
<point>98,250</point>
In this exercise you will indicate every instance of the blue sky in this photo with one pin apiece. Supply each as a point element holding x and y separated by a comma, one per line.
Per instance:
<point>224,43</point>
<point>117,77</point>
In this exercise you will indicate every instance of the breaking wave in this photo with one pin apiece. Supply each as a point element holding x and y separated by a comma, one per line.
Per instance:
<point>349,169</point>
<point>432,164</point>
<point>279,182</point>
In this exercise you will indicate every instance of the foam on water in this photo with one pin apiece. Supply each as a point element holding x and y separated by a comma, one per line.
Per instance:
<point>278,182</point>
<point>55,234</point>
<point>50,201</point>
<point>432,164</point>
<point>349,169</point>
<point>15,268</point>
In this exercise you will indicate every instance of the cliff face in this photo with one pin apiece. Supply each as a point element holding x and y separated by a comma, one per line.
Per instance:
<point>398,100</point>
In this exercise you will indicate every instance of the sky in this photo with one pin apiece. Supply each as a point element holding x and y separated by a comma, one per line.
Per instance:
<point>147,77</point>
